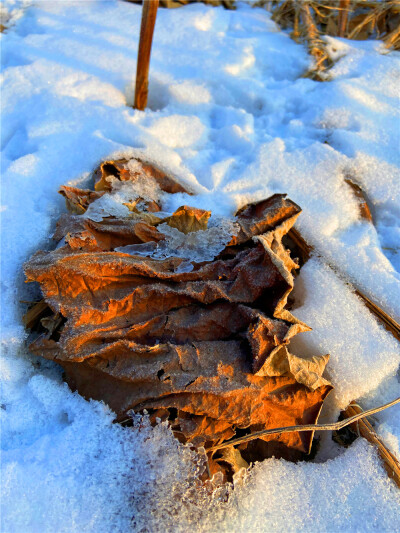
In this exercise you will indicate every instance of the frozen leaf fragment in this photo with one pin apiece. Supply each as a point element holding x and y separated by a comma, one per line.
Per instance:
<point>131,170</point>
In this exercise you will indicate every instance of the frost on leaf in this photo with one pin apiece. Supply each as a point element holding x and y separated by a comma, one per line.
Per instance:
<point>181,314</point>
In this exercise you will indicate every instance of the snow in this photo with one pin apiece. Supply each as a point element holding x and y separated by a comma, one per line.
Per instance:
<point>362,352</point>
<point>233,117</point>
<point>344,494</point>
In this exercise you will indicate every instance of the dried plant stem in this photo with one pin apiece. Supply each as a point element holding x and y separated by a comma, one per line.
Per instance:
<point>344,7</point>
<point>308,427</point>
<point>296,30</point>
<point>364,428</point>
<point>149,14</point>
<point>315,44</point>
<point>393,39</point>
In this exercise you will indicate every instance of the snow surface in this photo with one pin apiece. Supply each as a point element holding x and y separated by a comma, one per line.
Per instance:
<point>232,116</point>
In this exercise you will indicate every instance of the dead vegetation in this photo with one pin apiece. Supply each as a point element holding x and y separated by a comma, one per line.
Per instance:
<point>204,347</point>
<point>311,20</point>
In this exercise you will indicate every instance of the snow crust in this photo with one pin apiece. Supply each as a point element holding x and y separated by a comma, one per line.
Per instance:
<point>231,115</point>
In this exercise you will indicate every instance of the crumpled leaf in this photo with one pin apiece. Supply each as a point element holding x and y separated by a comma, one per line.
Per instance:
<point>206,349</point>
<point>260,217</point>
<point>307,371</point>
<point>187,219</point>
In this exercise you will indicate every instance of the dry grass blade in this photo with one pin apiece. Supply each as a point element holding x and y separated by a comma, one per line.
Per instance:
<point>308,427</point>
<point>35,314</point>
<point>364,428</point>
<point>284,12</point>
<point>368,20</point>
<point>316,46</point>
<point>392,39</point>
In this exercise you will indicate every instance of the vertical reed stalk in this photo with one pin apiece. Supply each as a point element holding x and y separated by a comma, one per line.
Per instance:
<point>149,14</point>
<point>344,7</point>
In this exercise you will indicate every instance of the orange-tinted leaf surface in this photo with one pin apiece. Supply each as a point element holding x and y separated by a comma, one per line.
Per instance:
<point>205,349</point>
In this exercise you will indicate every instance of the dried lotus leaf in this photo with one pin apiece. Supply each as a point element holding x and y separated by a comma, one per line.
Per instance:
<point>205,349</point>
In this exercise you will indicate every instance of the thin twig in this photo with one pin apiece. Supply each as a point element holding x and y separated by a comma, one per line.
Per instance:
<point>308,427</point>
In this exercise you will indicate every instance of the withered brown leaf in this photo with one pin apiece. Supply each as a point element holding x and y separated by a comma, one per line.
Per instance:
<point>205,349</point>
